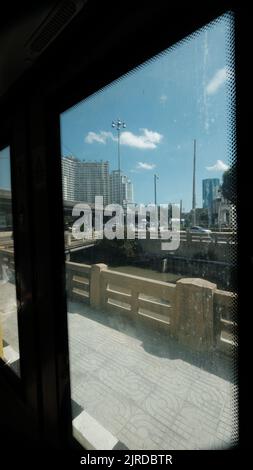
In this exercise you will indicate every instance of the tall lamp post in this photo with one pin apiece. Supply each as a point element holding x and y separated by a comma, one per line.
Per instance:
<point>194,186</point>
<point>118,125</point>
<point>156,177</point>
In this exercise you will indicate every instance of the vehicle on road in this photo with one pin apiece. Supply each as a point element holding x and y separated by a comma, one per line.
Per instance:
<point>197,229</point>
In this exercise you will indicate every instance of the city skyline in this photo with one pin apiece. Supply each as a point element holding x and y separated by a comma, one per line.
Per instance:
<point>83,180</point>
<point>178,96</point>
<point>74,186</point>
<point>74,191</point>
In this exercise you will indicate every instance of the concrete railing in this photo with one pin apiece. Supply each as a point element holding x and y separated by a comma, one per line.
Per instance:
<point>185,237</point>
<point>214,237</point>
<point>139,296</point>
<point>78,281</point>
<point>225,320</point>
<point>193,310</point>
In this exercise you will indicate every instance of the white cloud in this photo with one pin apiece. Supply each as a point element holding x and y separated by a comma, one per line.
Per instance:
<point>163,98</point>
<point>219,78</point>
<point>100,137</point>
<point>146,166</point>
<point>218,166</point>
<point>145,140</point>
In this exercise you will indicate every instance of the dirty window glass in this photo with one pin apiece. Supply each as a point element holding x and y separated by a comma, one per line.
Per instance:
<point>150,244</point>
<point>9,346</point>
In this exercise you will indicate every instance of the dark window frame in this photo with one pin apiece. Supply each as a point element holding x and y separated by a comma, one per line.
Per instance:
<point>73,91</point>
<point>43,104</point>
<point>21,392</point>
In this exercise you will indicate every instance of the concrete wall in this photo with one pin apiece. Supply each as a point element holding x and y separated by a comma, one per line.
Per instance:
<point>193,311</point>
<point>219,247</point>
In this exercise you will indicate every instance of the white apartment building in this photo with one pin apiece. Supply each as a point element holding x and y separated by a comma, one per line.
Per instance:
<point>83,180</point>
<point>70,166</point>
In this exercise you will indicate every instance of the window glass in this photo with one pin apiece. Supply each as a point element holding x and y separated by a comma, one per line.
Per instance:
<point>9,347</point>
<point>150,225</point>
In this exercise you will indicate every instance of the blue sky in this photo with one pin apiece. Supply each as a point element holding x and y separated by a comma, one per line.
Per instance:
<point>166,103</point>
<point>178,96</point>
<point>5,170</point>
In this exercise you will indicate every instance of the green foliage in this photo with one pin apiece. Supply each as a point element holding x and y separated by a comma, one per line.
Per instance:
<point>228,187</point>
<point>118,251</point>
<point>202,217</point>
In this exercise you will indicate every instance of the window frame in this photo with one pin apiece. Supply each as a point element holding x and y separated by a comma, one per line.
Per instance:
<point>39,111</point>
<point>23,389</point>
<point>72,91</point>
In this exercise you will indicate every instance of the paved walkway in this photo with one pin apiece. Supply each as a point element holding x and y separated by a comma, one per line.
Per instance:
<point>8,313</point>
<point>139,384</point>
<point>144,389</point>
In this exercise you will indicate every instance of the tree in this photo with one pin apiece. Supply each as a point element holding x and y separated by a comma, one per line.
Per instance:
<point>228,187</point>
<point>118,251</point>
<point>202,217</point>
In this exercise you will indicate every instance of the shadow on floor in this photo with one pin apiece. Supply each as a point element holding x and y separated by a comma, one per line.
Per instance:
<point>158,342</point>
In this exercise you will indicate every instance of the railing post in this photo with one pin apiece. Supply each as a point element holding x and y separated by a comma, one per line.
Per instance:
<point>96,285</point>
<point>193,322</point>
<point>67,237</point>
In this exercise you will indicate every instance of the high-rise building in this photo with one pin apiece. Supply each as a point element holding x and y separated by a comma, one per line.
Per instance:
<point>83,180</point>
<point>70,166</point>
<point>115,188</point>
<point>93,180</point>
<point>121,188</point>
<point>210,191</point>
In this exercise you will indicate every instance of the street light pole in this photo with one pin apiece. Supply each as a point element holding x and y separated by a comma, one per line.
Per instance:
<point>156,177</point>
<point>118,125</point>
<point>194,187</point>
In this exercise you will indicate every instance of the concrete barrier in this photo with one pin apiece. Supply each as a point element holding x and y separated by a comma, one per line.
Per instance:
<point>193,310</point>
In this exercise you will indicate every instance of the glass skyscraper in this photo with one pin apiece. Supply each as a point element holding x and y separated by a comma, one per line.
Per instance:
<point>210,188</point>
